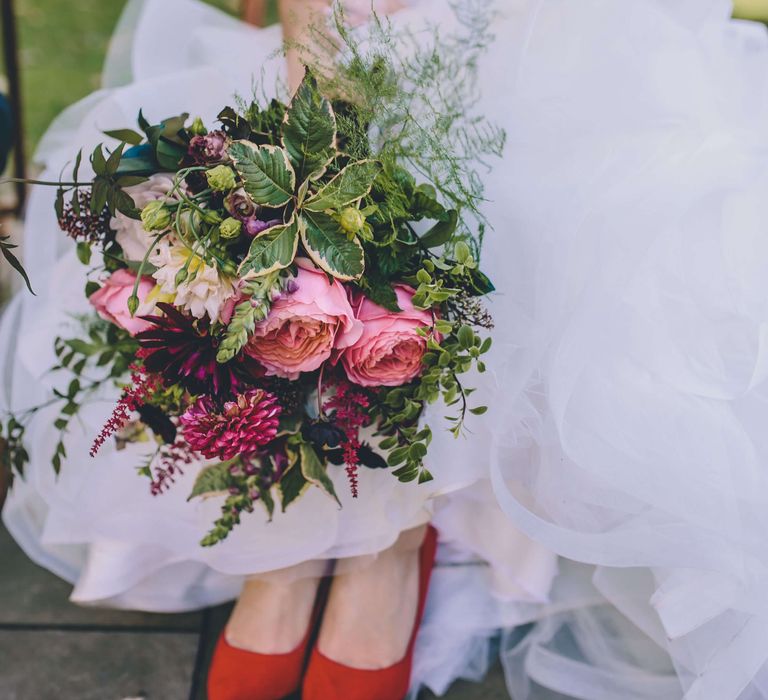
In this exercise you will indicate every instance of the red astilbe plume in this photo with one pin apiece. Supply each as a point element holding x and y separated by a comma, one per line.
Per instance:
<point>143,385</point>
<point>171,462</point>
<point>349,407</point>
<point>240,427</point>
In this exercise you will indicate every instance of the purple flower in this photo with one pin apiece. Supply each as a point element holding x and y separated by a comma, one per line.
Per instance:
<point>240,205</point>
<point>211,148</point>
<point>253,226</point>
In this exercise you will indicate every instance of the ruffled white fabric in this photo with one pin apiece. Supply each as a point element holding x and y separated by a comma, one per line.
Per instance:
<point>631,220</point>
<point>97,525</point>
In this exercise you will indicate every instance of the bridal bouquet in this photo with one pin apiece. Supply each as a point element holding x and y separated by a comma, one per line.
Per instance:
<point>283,293</point>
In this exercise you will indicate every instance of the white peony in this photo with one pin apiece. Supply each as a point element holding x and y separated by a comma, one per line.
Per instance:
<point>205,290</point>
<point>130,233</point>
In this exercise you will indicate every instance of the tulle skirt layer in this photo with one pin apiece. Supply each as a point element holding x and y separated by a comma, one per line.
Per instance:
<point>630,216</point>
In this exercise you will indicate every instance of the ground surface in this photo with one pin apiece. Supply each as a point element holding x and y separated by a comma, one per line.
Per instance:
<point>53,650</point>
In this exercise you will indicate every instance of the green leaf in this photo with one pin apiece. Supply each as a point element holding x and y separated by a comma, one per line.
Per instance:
<point>78,160</point>
<point>267,500</point>
<point>425,206</point>
<point>292,485</point>
<point>272,250</point>
<point>267,173</point>
<point>212,480</point>
<point>98,161</point>
<point>466,337</point>
<point>441,232</point>
<point>84,252</point>
<point>114,159</point>
<point>379,291</point>
<point>123,202</point>
<point>309,131</point>
<point>59,204</point>
<point>169,154</point>
<point>351,184</point>
<point>5,249</point>
<point>329,247</point>
<point>127,135</point>
<point>130,180</point>
<point>99,194</point>
<point>315,471</point>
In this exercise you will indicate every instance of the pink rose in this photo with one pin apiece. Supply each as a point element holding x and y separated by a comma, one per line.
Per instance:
<point>305,326</point>
<point>111,301</point>
<point>389,351</point>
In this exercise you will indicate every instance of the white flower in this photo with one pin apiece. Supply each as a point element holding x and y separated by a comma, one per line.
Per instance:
<point>205,289</point>
<point>130,233</point>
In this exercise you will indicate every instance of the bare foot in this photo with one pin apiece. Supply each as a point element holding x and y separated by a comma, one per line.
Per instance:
<point>371,609</point>
<point>272,615</point>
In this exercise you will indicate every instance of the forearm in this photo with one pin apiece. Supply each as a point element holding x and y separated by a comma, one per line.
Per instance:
<point>297,18</point>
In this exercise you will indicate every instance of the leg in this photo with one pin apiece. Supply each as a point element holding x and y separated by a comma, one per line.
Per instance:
<point>273,612</point>
<point>372,606</point>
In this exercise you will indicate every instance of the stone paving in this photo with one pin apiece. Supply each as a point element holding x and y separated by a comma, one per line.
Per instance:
<point>51,649</point>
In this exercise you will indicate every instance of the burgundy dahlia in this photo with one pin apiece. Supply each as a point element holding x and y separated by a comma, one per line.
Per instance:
<point>210,148</point>
<point>241,427</point>
<point>182,351</point>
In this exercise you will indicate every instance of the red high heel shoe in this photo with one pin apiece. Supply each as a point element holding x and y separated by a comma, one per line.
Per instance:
<point>327,679</point>
<point>237,674</point>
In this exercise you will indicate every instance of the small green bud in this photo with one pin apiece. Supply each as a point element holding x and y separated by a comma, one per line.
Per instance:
<point>212,217</point>
<point>181,276</point>
<point>198,128</point>
<point>133,304</point>
<point>155,216</point>
<point>351,220</point>
<point>229,268</point>
<point>221,178</point>
<point>230,228</point>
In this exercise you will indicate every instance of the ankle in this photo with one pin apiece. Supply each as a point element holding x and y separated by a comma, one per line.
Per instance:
<point>272,618</point>
<point>370,615</point>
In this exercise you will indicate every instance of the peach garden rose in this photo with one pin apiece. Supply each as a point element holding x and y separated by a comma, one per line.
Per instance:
<point>306,326</point>
<point>389,350</point>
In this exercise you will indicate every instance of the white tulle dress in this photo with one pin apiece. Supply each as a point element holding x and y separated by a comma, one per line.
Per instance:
<point>628,430</point>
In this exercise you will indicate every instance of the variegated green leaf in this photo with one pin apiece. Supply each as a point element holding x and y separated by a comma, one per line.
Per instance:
<point>352,183</point>
<point>309,131</point>
<point>293,484</point>
<point>315,472</point>
<point>212,480</point>
<point>272,250</point>
<point>330,248</point>
<point>267,173</point>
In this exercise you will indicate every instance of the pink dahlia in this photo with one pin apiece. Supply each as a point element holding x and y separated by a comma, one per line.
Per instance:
<point>241,427</point>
